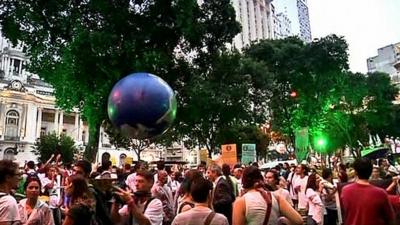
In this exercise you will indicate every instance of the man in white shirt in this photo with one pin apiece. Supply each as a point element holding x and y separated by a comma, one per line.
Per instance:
<point>300,186</point>
<point>272,180</point>
<point>9,179</point>
<point>292,177</point>
<point>140,208</point>
<point>161,190</point>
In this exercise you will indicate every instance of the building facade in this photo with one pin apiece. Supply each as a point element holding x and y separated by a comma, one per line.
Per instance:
<point>387,61</point>
<point>27,108</point>
<point>298,14</point>
<point>282,26</point>
<point>255,17</point>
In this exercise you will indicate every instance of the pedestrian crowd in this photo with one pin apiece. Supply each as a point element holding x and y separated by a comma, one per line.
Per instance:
<point>52,193</point>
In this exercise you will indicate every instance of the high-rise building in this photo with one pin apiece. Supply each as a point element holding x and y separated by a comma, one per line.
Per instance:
<point>255,17</point>
<point>387,61</point>
<point>298,15</point>
<point>282,26</point>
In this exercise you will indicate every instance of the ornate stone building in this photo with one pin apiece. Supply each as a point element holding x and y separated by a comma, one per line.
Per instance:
<point>27,108</point>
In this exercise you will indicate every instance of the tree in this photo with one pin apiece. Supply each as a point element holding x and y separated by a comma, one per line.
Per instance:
<point>83,47</point>
<point>330,101</point>
<point>220,99</point>
<point>121,141</point>
<point>52,144</point>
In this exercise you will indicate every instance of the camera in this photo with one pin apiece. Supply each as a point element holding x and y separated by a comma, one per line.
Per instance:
<point>117,198</point>
<point>141,194</point>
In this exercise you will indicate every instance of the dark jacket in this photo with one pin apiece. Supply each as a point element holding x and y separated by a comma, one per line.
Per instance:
<point>223,198</point>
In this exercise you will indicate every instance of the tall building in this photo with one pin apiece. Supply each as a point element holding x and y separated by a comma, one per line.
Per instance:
<point>387,61</point>
<point>298,15</point>
<point>282,26</point>
<point>255,17</point>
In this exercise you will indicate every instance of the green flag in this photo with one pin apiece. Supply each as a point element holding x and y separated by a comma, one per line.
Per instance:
<point>301,143</point>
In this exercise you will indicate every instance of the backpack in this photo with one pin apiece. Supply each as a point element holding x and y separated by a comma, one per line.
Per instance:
<point>101,215</point>
<point>183,205</point>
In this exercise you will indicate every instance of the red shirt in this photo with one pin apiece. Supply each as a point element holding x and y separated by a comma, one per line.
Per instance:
<point>366,205</point>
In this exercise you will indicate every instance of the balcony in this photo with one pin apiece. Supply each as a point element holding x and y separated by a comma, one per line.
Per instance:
<point>11,138</point>
<point>396,63</point>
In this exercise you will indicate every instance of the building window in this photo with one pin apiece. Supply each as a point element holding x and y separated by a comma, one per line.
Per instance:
<point>43,131</point>
<point>83,136</point>
<point>17,63</point>
<point>9,154</point>
<point>12,121</point>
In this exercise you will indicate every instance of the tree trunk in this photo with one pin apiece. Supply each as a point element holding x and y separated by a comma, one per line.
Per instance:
<point>92,147</point>
<point>138,152</point>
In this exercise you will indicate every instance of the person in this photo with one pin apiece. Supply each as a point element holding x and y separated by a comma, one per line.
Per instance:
<point>176,182</point>
<point>163,192</point>
<point>328,197</point>
<point>81,209</point>
<point>222,195</point>
<point>185,200</point>
<point>130,180</point>
<point>9,179</point>
<point>376,173</point>
<point>201,214</point>
<point>364,203</point>
<point>272,181</point>
<point>50,187</point>
<point>292,177</point>
<point>315,205</point>
<point>84,168</point>
<point>300,188</point>
<point>140,208</point>
<point>106,171</point>
<point>226,172</point>
<point>33,211</point>
<point>342,174</point>
<point>257,207</point>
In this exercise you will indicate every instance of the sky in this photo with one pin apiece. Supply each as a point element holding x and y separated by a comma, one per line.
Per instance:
<point>365,24</point>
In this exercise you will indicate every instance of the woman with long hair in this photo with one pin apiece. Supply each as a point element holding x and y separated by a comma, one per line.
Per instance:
<point>315,205</point>
<point>184,199</point>
<point>258,206</point>
<point>31,209</point>
<point>81,209</point>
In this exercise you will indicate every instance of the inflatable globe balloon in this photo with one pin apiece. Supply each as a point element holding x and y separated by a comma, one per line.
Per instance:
<point>142,105</point>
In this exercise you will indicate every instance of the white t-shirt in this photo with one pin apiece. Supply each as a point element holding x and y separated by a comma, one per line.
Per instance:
<point>315,206</point>
<point>302,194</point>
<point>130,181</point>
<point>292,181</point>
<point>153,212</point>
<point>285,195</point>
<point>8,208</point>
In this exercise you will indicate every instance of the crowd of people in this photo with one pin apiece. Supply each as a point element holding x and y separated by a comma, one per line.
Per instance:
<point>54,193</point>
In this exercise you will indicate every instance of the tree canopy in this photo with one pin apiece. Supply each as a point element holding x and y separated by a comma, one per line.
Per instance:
<point>52,144</point>
<point>83,47</point>
<point>339,108</point>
